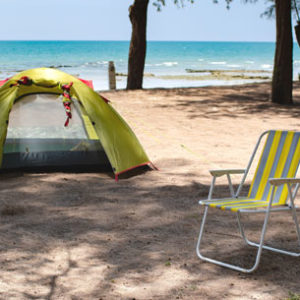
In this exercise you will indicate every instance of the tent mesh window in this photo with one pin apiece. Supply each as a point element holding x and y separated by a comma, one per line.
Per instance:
<point>37,137</point>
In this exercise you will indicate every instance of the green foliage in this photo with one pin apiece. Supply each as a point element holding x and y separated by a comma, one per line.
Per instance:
<point>180,3</point>
<point>228,2</point>
<point>168,264</point>
<point>270,11</point>
<point>293,296</point>
<point>160,3</point>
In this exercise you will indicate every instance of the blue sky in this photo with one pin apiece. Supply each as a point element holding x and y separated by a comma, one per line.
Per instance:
<point>108,20</point>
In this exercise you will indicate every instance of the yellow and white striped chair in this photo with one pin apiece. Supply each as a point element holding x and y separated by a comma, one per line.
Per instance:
<point>273,188</point>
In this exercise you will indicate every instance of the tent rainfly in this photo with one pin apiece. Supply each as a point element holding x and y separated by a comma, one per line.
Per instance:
<point>50,118</point>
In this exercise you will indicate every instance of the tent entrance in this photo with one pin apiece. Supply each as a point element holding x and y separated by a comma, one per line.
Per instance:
<point>37,138</point>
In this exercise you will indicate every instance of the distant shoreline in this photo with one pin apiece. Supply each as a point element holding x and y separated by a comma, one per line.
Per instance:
<point>213,74</point>
<point>169,64</point>
<point>128,41</point>
<point>151,41</point>
<point>252,84</point>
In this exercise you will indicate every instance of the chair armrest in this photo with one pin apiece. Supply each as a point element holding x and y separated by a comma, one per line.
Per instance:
<point>280,181</point>
<point>218,173</point>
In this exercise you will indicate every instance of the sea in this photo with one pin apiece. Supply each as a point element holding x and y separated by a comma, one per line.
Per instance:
<point>168,64</point>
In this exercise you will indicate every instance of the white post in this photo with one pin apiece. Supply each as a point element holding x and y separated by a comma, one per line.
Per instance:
<point>112,75</point>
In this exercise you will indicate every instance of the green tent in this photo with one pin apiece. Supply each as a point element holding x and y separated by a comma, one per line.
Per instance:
<point>31,130</point>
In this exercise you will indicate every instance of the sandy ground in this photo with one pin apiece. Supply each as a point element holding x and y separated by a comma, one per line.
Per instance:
<point>84,236</point>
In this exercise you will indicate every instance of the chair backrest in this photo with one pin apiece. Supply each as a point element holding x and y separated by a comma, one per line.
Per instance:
<point>280,158</point>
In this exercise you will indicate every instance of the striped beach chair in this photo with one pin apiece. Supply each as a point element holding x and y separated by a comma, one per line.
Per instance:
<point>273,188</point>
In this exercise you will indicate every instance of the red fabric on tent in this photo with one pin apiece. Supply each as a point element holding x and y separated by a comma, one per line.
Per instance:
<point>3,81</point>
<point>89,83</point>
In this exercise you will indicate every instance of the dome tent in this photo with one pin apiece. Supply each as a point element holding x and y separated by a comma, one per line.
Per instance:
<point>103,126</point>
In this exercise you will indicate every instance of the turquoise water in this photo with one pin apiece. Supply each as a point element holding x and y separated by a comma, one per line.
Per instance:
<point>166,61</point>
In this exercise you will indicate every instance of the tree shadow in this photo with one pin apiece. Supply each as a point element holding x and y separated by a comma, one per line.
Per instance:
<point>230,101</point>
<point>120,235</point>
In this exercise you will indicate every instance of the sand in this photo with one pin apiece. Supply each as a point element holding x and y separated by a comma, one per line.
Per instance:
<point>84,236</point>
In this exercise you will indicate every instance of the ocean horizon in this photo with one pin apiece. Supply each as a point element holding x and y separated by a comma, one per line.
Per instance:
<point>168,63</point>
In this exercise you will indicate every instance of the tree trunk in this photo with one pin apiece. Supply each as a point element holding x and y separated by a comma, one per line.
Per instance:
<point>282,84</point>
<point>137,50</point>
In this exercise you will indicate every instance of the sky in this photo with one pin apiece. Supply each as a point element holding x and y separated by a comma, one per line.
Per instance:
<point>108,20</point>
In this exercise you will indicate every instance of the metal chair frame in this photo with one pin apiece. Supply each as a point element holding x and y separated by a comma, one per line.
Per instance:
<point>293,185</point>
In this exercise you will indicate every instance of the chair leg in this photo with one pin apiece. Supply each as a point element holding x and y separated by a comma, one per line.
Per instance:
<point>227,265</point>
<point>253,244</point>
<point>296,223</point>
<point>294,212</point>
